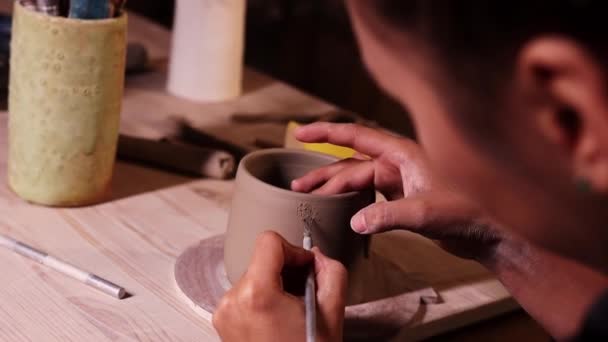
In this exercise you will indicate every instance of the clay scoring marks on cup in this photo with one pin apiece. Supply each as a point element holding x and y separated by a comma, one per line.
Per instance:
<point>307,215</point>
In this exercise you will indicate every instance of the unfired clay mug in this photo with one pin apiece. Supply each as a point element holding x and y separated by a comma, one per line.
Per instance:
<point>263,201</point>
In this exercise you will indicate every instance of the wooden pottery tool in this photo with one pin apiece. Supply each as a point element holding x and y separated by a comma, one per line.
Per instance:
<point>184,158</point>
<point>189,134</point>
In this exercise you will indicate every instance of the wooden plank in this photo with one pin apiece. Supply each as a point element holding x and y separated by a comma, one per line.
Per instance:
<point>115,252</point>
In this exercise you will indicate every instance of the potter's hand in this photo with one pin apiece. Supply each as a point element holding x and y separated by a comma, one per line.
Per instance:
<point>398,168</point>
<point>417,202</point>
<point>258,309</point>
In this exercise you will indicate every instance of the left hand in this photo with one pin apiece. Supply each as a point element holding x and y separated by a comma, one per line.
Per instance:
<point>258,309</point>
<point>418,201</point>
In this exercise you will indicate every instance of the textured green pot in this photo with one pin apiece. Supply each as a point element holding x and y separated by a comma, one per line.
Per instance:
<point>66,87</point>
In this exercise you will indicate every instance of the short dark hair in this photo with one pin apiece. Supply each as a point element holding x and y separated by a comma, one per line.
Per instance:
<point>475,42</point>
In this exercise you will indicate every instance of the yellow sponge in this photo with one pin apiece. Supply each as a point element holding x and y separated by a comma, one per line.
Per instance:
<point>331,149</point>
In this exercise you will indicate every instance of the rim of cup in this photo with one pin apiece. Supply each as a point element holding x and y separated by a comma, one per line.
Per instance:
<point>243,171</point>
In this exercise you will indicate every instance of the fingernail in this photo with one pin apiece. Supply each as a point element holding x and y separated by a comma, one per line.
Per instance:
<point>295,184</point>
<point>358,224</point>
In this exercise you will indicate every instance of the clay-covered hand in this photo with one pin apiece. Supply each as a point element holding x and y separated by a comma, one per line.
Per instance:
<point>257,308</point>
<point>417,200</point>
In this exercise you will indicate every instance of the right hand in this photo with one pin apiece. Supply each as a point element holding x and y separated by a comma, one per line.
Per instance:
<point>258,308</point>
<point>417,200</point>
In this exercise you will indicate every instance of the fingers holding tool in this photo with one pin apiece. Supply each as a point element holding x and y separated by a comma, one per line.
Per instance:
<point>256,307</point>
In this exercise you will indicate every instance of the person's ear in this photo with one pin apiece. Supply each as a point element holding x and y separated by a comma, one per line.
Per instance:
<point>571,105</point>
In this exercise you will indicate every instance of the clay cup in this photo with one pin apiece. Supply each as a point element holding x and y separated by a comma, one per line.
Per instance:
<point>263,201</point>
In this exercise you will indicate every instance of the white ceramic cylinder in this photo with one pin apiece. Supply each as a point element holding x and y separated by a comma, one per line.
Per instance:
<point>206,62</point>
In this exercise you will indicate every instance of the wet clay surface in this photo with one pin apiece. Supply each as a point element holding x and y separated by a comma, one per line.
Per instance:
<point>307,215</point>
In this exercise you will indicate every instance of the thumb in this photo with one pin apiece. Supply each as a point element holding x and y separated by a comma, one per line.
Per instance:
<point>432,215</point>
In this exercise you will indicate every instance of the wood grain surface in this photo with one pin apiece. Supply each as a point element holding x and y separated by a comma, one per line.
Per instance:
<point>134,238</point>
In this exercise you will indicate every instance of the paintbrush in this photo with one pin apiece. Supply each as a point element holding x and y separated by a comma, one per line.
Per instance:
<point>49,7</point>
<point>90,9</point>
<point>117,7</point>
<point>60,266</point>
<point>29,4</point>
<point>310,295</point>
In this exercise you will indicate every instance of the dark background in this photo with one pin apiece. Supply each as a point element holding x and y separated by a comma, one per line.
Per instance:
<point>308,44</point>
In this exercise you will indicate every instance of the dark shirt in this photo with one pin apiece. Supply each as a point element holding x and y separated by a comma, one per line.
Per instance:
<point>595,327</point>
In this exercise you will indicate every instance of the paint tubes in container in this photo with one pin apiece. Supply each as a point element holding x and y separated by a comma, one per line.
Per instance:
<point>90,9</point>
<point>49,7</point>
<point>64,7</point>
<point>29,4</point>
<point>117,7</point>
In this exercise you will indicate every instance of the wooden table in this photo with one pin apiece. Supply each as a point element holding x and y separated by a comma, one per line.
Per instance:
<point>134,238</point>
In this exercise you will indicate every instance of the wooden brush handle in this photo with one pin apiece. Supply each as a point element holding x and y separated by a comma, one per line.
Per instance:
<point>183,158</point>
